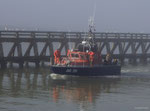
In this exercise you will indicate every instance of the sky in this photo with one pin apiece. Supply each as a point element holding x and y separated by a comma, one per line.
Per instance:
<point>73,15</point>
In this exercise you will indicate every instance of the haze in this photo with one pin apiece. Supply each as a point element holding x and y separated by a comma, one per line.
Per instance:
<point>73,15</point>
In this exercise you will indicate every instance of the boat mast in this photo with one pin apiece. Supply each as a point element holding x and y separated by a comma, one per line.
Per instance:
<point>91,25</point>
<point>89,44</point>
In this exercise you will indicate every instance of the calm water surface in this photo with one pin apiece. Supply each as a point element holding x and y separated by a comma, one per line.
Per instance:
<point>33,89</point>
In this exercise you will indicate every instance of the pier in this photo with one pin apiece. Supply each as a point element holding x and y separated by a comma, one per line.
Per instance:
<point>24,47</point>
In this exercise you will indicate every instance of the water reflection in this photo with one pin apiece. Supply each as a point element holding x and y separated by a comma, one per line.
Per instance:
<point>18,82</point>
<point>37,84</point>
<point>29,82</point>
<point>28,87</point>
<point>82,89</point>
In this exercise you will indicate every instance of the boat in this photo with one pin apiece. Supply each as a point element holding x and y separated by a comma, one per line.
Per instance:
<point>85,60</point>
<point>101,70</point>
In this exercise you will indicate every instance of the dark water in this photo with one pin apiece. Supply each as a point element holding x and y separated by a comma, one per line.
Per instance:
<point>35,90</point>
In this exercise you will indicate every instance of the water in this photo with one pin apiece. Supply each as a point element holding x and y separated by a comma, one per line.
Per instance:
<point>31,89</point>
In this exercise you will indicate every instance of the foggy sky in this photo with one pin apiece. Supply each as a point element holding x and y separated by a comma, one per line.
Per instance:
<point>73,15</point>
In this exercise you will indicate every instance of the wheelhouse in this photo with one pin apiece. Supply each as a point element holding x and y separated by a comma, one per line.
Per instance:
<point>77,58</point>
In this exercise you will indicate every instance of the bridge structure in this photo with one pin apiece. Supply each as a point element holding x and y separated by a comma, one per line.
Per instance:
<point>25,47</point>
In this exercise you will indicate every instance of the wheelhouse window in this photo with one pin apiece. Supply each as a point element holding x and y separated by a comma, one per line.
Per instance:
<point>83,56</point>
<point>75,55</point>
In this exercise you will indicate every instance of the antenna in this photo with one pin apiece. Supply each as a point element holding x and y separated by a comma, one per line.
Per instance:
<point>91,20</point>
<point>94,11</point>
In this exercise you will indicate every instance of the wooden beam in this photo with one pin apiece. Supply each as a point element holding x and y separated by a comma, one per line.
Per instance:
<point>108,47</point>
<point>102,47</point>
<point>12,50</point>
<point>143,47</point>
<point>35,48</point>
<point>114,47</point>
<point>27,52</point>
<point>19,50</point>
<point>137,47</point>
<point>63,43</point>
<point>133,48</point>
<point>127,47</point>
<point>43,52</point>
<point>147,48</point>
<point>120,48</point>
<point>1,48</point>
